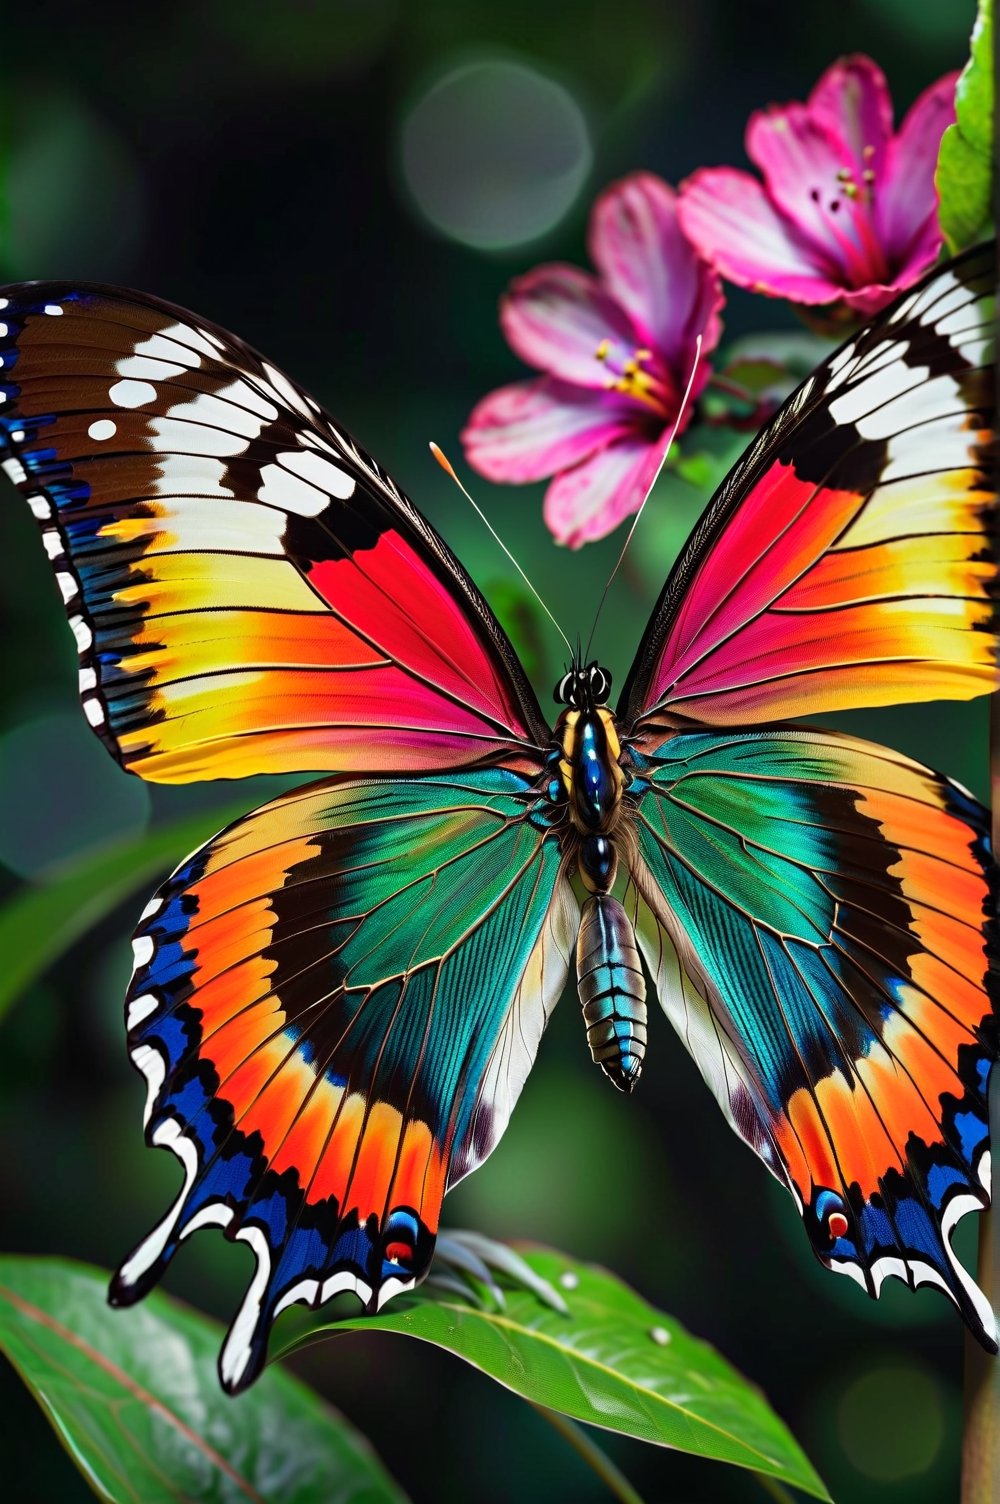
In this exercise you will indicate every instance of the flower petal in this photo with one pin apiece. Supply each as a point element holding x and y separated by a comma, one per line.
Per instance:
<point>649,265</point>
<point>557,318</point>
<point>729,218</point>
<point>801,159</point>
<point>852,100</point>
<point>867,301</point>
<point>908,198</point>
<point>531,429</point>
<point>592,499</point>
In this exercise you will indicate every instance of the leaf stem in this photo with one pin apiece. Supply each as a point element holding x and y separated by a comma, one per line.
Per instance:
<point>584,1445</point>
<point>981,1438</point>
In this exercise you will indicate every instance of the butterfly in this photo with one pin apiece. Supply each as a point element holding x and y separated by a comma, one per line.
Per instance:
<point>337,1000</point>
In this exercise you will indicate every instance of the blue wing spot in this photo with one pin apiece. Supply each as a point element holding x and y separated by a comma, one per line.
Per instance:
<point>971,1131</point>
<point>940,1180</point>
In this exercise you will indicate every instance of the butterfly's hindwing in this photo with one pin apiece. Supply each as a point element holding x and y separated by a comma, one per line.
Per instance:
<point>822,935</point>
<point>336,1003</point>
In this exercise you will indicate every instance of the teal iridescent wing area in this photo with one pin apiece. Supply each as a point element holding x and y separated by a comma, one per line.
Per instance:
<point>817,914</point>
<point>336,1003</point>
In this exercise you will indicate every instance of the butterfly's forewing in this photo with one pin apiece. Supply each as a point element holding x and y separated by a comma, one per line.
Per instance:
<point>829,902</point>
<point>336,1003</point>
<point>849,558</point>
<point>249,591</point>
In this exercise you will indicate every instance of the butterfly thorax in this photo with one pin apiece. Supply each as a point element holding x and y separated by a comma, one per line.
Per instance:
<point>590,771</point>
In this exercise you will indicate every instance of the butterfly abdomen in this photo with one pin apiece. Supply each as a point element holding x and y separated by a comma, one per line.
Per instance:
<point>612,990</point>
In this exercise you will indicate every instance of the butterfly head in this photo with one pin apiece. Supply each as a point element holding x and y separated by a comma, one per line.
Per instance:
<point>584,688</point>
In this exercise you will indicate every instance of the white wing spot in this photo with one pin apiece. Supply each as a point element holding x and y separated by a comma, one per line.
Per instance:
<point>285,391</point>
<point>861,402</point>
<point>141,1008</point>
<point>319,472</point>
<point>131,393</point>
<point>82,633</point>
<point>236,1349</point>
<point>280,489</point>
<point>152,1065</point>
<point>148,368</point>
<point>142,951</point>
<point>102,429</point>
<point>195,339</point>
<point>160,348</point>
<point>167,1133</point>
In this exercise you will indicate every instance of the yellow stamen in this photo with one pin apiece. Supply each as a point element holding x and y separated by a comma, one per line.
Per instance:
<point>633,381</point>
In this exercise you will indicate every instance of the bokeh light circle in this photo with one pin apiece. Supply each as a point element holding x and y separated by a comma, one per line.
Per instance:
<point>76,194</point>
<point>891,1422</point>
<point>495,153</point>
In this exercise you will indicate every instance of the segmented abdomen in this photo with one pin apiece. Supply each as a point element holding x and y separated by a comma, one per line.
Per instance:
<point>612,989</point>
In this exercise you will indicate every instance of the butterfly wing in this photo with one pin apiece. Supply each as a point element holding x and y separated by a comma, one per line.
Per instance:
<point>816,911</point>
<point>335,1005</point>
<point>250,592</point>
<point>848,559</point>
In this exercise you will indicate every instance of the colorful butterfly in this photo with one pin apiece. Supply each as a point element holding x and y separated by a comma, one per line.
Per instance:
<point>337,1000</point>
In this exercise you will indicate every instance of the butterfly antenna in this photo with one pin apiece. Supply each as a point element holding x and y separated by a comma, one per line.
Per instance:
<point>649,490</point>
<point>449,469</point>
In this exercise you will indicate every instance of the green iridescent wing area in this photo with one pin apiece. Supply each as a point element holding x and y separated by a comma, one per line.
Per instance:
<point>816,912</point>
<point>335,1006</point>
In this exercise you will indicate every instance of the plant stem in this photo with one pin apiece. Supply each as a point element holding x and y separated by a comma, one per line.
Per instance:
<point>585,1447</point>
<point>981,1439</point>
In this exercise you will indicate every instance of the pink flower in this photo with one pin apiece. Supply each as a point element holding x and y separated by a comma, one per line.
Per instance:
<point>617,350</point>
<point>847,212</point>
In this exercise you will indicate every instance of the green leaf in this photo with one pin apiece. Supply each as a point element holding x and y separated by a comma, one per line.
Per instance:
<point>965,162</point>
<point>134,1398</point>
<point>614,1361</point>
<point>40,922</point>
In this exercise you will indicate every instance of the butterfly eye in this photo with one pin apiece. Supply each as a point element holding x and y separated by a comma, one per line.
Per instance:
<point>600,682</point>
<point>563,689</point>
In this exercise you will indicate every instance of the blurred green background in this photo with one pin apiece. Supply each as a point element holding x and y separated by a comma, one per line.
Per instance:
<point>349,186</point>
